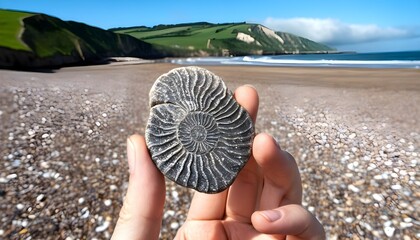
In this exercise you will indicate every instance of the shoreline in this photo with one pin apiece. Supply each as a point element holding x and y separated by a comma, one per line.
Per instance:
<point>252,61</point>
<point>315,76</point>
<point>354,134</point>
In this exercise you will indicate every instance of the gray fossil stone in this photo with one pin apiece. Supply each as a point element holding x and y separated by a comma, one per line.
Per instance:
<point>197,134</point>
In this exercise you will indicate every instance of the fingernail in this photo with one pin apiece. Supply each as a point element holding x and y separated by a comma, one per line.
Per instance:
<point>131,155</point>
<point>251,86</point>
<point>271,215</point>
<point>276,142</point>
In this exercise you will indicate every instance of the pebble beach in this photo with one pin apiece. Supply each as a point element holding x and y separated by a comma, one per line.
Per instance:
<point>355,134</point>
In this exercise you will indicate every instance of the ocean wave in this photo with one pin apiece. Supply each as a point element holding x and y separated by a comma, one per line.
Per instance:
<point>269,60</point>
<point>278,61</point>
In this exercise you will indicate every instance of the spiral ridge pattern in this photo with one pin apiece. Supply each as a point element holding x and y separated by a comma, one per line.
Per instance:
<point>197,134</point>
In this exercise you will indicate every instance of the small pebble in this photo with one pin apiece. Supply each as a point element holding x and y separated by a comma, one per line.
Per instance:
<point>84,213</point>
<point>353,188</point>
<point>107,202</point>
<point>24,223</point>
<point>389,231</point>
<point>4,180</point>
<point>377,197</point>
<point>44,165</point>
<point>170,212</point>
<point>16,163</point>
<point>396,187</point>
<point>102,227</point>
<point>46,175</point>
<point>175,195</point>
<point>11,176</point>
<point>40,197</point>
<point>174,225</point>
<point>405,224</point>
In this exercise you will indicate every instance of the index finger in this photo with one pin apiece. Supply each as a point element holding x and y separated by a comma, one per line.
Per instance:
<point>247,97</point>
<point>243,194</point>
<point>281,174</point>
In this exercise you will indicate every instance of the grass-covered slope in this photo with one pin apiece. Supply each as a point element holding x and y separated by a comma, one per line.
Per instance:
<point>223,39</point>
<point>38,40</point>
<point>11,29</point>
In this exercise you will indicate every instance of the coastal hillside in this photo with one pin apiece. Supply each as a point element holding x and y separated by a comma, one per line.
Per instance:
<point>33,40</point>
<point>38,40</point>
<point>207,39</point>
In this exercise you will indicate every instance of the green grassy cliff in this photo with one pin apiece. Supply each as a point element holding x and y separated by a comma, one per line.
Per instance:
<point>38,40</point>
<point>12,27</point>
<point>223,39</point>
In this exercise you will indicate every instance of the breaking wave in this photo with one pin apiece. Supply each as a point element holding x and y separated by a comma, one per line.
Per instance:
<point>358,60</point>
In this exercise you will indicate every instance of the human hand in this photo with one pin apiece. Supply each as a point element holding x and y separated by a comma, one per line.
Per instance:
<point>264,202</point>
<point>269,181</point>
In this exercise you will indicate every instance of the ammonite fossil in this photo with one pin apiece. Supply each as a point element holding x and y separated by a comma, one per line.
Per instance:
<point>197,134</point>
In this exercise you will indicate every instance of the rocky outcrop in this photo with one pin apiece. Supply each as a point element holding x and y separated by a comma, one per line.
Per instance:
<point>19,59</point>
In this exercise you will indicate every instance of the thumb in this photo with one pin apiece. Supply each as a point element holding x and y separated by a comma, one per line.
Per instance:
<point>291,220</point>
<point>141,213</point>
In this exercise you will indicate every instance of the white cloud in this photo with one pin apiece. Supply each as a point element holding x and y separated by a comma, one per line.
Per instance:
<point>334,32</point>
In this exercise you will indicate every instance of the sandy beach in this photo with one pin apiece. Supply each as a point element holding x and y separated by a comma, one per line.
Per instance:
<point>355,134</point>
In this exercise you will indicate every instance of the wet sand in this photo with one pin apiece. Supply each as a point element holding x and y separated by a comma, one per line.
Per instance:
<point>354,133</point>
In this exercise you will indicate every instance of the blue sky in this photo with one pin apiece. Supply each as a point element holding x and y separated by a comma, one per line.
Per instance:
<point>360,25</point>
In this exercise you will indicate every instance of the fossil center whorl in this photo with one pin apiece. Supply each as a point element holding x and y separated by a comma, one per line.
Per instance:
<point>198,132</point>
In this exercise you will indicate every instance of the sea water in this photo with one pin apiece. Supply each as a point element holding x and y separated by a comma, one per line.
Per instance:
<point>408,59</point>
